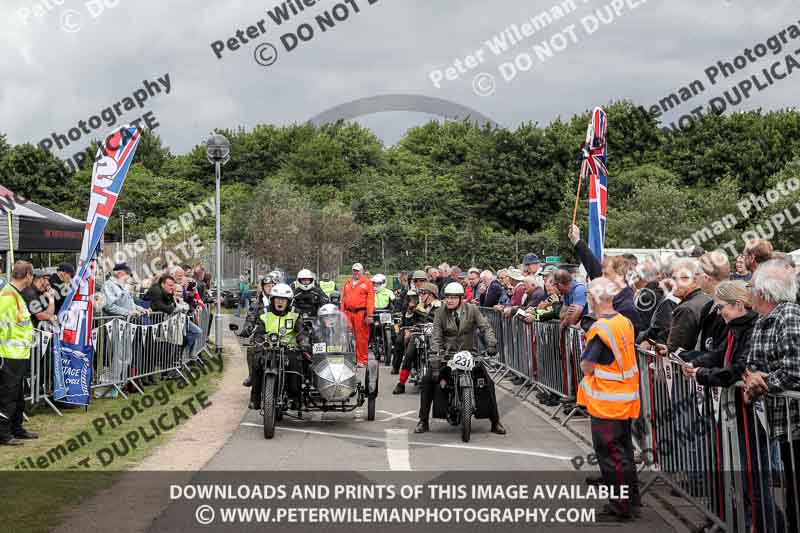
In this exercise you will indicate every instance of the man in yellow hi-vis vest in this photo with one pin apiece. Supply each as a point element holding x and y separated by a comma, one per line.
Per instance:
<point>610,392</point>
<point>16,338</point>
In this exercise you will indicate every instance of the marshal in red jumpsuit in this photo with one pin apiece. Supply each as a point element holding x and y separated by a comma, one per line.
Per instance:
<point>358,303</point>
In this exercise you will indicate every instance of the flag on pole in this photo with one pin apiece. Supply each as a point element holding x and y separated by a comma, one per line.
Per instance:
<point>594,169</point>
<point>72,349</point>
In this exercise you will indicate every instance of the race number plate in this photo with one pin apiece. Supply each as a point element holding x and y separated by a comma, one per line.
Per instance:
<point>319,347</point>
<point>462,361</point>
<point>386,318</point>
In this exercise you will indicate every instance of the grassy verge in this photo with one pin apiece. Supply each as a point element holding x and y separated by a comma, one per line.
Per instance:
<point>83,452</point>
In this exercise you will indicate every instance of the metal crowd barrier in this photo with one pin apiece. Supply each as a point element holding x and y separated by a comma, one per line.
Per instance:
<point>40,378</point>
<point>719,452</point>
<point>126,349</point>
<point>545,357</point>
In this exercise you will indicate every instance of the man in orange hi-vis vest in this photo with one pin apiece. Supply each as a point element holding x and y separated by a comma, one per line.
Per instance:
<point>358,303</point>
<point>610,392</point>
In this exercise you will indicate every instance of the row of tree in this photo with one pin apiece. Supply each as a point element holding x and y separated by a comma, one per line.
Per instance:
<point>301,195</point>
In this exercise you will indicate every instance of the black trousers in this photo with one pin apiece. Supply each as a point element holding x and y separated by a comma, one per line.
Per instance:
<point>409,354</point>
<point>398,348</point>
<point>613,444</point>
<point>12,396</point>
<point>429,387</point>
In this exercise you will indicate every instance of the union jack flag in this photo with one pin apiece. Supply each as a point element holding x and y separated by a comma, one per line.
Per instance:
<point>593,168</point>
<point>72,348</point>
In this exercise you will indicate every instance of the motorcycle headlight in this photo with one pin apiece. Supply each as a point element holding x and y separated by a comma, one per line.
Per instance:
<point>273,338</point>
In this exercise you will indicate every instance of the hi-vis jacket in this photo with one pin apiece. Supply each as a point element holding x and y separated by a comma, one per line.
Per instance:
<point>16,329</point>
<point>285,326</point>
<point>612,392</point>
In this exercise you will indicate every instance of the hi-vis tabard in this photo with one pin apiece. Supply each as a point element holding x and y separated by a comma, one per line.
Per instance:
<point>16,329</point>
<point>282,325</point>
<point>612,392</point>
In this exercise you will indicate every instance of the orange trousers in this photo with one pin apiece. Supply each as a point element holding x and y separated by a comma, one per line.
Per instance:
<point>360,330</point>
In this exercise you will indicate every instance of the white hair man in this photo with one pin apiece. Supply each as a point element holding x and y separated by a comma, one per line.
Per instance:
<point>773,365</point>
<point>494,290</point>
<point>610,392</point>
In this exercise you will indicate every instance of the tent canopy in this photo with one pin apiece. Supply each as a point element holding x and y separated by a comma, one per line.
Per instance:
<point>36,228</point>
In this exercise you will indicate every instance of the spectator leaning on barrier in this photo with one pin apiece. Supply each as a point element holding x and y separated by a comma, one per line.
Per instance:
<point>473,281</point>
<point>16,338</point>
<point>573,298</point>
<point>714,269</point>
<point>530,265</point>
<point>774,365</point>
<point>757,252</point>
<point>685,328</point>
<point>741,270</point>
<point>160,295</point>
<point>40,298</point>
<point>119,300</point>
<point>610,392</point>
<point>494,290</point>
<point>657,329</point>
<point>517,286</point>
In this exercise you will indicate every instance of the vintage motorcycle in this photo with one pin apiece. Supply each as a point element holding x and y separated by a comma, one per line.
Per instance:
<point>421,337</point>
<point>329,378</point>
<point>383,322</point>
<point>461,390</point>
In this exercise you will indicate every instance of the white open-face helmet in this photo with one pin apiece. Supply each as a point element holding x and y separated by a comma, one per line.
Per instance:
<point>454,289</point>
<point>282,290</point>
<point>378,279</point>
<point>328,310</point>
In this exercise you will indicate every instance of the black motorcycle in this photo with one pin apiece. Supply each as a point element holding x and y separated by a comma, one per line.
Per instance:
<point>383,325</point>
<point>459,381</point>
<point>421,337</point>
<point>329,380</point>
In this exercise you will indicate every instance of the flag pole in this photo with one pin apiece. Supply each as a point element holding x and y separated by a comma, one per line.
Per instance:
<point>584,155</point>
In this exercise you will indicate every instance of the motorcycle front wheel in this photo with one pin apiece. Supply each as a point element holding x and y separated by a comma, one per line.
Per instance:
<point>268,404</point>
<point>466,413</point>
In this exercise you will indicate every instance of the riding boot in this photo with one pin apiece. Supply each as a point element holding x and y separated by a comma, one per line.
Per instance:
<point>248,382</point>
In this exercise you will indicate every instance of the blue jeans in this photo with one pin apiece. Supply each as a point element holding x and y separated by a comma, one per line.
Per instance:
<point>243,303</point>
<point>193,336</point>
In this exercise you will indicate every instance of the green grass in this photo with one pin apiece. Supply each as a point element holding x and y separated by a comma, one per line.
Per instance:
<point>35,500</point>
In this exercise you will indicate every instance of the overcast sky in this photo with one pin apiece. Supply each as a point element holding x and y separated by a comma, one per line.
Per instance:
<point>62,65</point>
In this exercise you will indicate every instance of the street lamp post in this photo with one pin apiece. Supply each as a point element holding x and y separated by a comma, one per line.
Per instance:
<point>218,150</point>
<point>123,214</point>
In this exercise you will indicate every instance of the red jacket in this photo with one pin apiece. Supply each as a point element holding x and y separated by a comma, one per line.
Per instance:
<point>358,298</point>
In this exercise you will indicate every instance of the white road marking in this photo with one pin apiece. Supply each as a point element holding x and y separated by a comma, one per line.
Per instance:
<point>404,416</point>
<point>397,451</point>
<point>415,443</point>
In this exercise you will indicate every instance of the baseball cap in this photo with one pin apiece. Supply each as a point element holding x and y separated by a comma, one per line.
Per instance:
<point>122,267</point>
<point>39,273</point>
<point>66,267</point>
<point>515,274</point>
<point>430,287</point>
<point>549,269</point>
<point>531,259</point>
<point>358,266</point>
<point>419,274</point>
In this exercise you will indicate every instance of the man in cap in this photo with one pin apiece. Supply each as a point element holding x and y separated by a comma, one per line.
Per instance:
<point>530,265</point>
<point>119,300</point>
<point>358,303</point>
<point>60,281</point>
<point>516,278</point>
<point>40,298</point>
